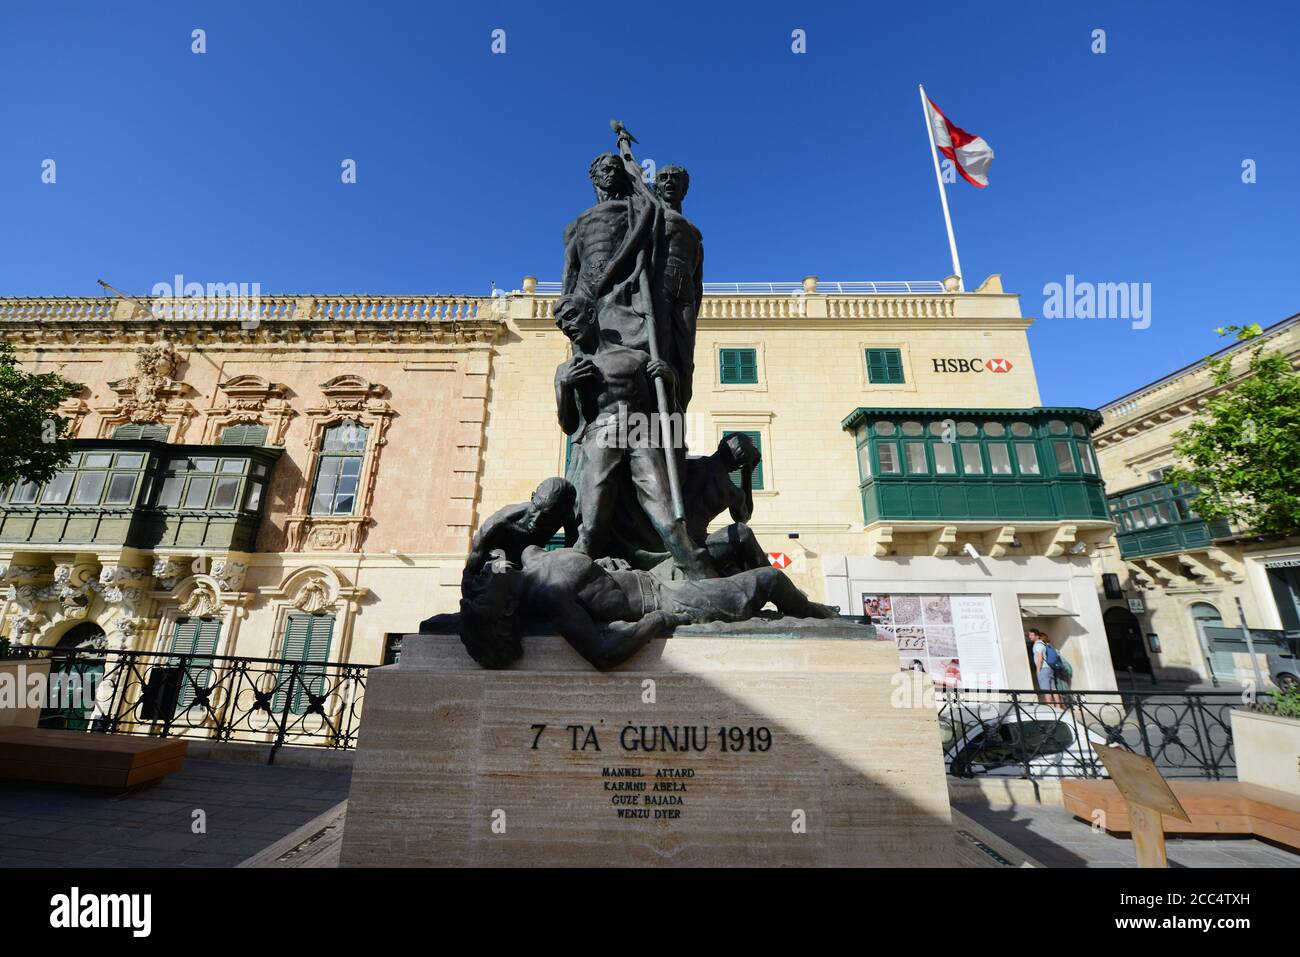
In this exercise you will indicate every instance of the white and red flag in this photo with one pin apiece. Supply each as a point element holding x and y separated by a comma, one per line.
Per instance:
<point>969,153</point>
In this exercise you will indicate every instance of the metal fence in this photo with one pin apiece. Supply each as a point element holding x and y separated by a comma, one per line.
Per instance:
<point>267,701</point>
<point>1020,734</point>
<point>275,702</point>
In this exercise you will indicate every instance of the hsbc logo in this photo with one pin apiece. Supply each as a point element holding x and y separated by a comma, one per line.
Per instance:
<point>972,365</point>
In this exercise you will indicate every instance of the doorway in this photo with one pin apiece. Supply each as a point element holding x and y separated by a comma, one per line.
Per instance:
<point>75,669</point>
<point>1127,647</point>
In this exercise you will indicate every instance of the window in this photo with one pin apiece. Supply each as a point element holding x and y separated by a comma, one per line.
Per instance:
<point>1026,458</point>
<point>338,474</point>
<point>209,483</point>
<point>307,641</point>
<point>57,489</point>
<point>943,459</point>
<point>999,458</point>
<point>916,464</point>
<point>864,461</point>
<point>24,493</point>
<point>1087,458</point>
<point>1064,457</point>
<point>885,366</point>
<point>756,480</point>
<point>971,461</point>
<point>134,430</point>
<point>887,454</point>
<point>738,366</point>
<point>243,435</point>
<point>198,637</point>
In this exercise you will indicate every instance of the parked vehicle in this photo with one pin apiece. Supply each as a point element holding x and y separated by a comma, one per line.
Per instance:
<point>1002,740</point>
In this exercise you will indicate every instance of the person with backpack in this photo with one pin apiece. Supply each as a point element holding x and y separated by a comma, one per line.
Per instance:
<point>1052,670</point>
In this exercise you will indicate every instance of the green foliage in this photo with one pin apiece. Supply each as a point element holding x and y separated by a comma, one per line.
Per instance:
<point>1242,450</point>
<point>1287,703</point>
<point>34,441</point>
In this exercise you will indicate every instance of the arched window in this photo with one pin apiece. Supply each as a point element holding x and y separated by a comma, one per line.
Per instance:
<point>338,473</point>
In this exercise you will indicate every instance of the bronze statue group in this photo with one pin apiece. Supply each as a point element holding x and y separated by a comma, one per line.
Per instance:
<point>637,558</point>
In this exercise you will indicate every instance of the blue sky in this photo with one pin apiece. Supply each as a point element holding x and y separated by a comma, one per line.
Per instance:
<point>225,167</point>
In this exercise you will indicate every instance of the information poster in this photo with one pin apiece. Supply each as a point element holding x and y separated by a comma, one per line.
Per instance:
<point>952,638</point>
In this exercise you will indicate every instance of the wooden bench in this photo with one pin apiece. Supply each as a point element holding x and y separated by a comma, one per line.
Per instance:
<point>1215,807</point>
<point>79,757</point>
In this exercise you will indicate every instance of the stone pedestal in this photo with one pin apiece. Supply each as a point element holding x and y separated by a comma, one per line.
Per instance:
<point>699,751</point>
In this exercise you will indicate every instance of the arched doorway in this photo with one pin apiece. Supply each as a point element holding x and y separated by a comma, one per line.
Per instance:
<point>75,669</point>
<point>1124,635</point>
<point>1206,615</point>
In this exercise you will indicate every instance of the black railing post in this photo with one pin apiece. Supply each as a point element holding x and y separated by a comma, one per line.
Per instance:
<point>284,713</point>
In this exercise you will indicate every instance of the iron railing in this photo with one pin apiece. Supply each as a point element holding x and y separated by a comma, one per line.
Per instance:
<point>1021,734</point>
<point>271,701</point>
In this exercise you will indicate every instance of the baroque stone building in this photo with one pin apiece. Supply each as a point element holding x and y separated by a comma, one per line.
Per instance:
<point>297,483</point>
<point>1169,574</point>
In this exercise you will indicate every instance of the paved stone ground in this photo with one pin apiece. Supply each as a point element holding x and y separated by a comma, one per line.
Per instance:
<point>1052,836</point>
<point>248,807</point>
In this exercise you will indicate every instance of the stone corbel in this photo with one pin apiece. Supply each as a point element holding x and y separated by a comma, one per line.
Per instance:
<point>1002,540</point>
<point>168,570</point>
<point>880,539</point>
<point>1195,567</point>
<point>125,587</point>
<point>1061,540</point>
<point>1165,575</point>
<point>942,542</point>
<point>1228,567</point>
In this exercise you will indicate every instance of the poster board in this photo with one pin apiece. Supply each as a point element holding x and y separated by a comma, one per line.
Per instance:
<point>952,638</point>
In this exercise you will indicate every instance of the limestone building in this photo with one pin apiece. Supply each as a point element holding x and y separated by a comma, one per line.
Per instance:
<point>292,484</point>
<point>909,468</point>
<point>1168,574</point>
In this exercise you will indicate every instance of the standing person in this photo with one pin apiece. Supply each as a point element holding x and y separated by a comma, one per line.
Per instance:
<point>1045,657</point>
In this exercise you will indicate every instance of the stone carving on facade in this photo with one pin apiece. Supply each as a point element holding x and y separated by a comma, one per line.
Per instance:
<point>229,573</point>
<point>168,570</point>
<point>347,398</point>
<point>203,601</point>
<point>150,395</point>
<point>72,588</point>
<point>313,596</point>
<point>125,587</point>
<point>252,400</point>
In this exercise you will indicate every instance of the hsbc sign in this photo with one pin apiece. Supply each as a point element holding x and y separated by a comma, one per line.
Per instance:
<point>972,365</point>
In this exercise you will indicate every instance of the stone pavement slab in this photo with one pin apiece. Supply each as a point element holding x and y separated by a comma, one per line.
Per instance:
<point>1055,838</point>
<point>246,808</point>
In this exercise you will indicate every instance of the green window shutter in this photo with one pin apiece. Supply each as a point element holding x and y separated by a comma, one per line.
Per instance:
<point>307,640</point>
<point>738,366</point>
<point>243,435</point>
<point>885,366</point>
<point>135,430</point>
<point>756,481</point>
<point>194,636</point>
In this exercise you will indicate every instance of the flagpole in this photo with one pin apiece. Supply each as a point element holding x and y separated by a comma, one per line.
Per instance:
<point>943,194</point>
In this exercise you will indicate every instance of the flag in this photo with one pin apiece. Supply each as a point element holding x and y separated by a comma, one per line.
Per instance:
<point>969,153</point>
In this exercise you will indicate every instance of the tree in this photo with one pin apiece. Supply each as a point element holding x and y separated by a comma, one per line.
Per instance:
<point>34,441</point>
<point>1242,450</point>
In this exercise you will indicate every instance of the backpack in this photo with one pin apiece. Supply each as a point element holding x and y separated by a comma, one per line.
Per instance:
<point>1061,669</point>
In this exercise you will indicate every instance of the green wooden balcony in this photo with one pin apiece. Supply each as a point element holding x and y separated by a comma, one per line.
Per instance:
<point>1158,519</point>
<point>144,494</point>
<point>1001,465</point>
